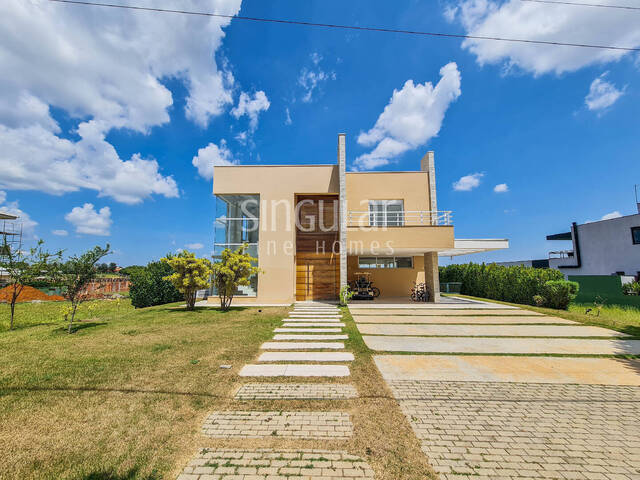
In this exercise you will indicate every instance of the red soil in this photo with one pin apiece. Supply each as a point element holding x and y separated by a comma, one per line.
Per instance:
<point>28,294</point>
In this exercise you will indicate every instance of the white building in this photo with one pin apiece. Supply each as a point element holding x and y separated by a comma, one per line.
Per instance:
<point>607,247</point>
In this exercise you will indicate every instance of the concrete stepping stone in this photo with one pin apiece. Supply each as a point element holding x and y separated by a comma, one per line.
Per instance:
<point>306,357</point>
<point>570,371</point>
<point>490,345</point>
<point>312,324</point>
<point>266,464</point>
<point>302,346</point>
<point>462,319</point>
<point>318,314</point>
<point>286,336</point>
<point>284,391</point>
<point>490,330</point>
<point>311,319</point>
<point>322,425</point>
<point>294,370</point>
<point>443,311</point>
<point>308,330</point>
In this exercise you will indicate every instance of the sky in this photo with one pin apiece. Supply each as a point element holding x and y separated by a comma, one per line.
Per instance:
<point>111,119</point>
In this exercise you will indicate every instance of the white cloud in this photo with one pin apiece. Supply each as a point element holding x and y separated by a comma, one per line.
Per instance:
<point>106,70</point>
<point>312,79</point>
<point>501,188</point>
<point>89,221</point>
<point>287,119</point>
<point>251,107</point>
<point>194,246</point>
<point>412,117</point>
<point>468,182</point>
<point>537,21</point>
<point>602,94</point>
<point>210,156</point>
<point>60,233</point>
<point>609,216</point>
<point>13,208</point>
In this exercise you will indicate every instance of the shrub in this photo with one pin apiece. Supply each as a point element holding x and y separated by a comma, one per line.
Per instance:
<point>539,300</point>
<point>560,293</point>
<point>232,270</point>
<point>514,284</point>
<point>149,288</point>
<point>190,275</point>
<point>632,288</point>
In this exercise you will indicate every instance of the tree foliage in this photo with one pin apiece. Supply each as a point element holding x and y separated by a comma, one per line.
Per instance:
<point>190,274</point>
<point>233,270</point>
<point>76,273</point>
<point>148,286</point>
<point>25,268</point>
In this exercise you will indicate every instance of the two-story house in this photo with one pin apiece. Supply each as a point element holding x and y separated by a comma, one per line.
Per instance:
<point>314,227</point>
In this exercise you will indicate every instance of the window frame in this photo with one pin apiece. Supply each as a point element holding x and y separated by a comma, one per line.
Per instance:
<point>382,265</point>
<point>397,218</point>
<point>633,235</point>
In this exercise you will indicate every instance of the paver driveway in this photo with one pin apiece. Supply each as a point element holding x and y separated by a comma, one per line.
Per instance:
<point>511,417</point>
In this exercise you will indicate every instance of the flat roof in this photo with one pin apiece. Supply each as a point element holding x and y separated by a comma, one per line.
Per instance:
<point>7,216</point>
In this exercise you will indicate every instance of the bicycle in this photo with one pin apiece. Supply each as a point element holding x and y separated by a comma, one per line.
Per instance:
<point>419,292</point>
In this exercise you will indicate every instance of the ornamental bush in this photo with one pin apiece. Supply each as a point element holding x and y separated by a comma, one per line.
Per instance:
<point>514,284</point>
<point>559,293</point>
<point>149,288</point>
<point>190,274</point>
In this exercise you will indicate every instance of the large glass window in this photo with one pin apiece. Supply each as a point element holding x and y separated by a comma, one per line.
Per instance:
<point>385,262</point>
<point>635,235</point>
<point>237,222</point>
<point>386,213</point>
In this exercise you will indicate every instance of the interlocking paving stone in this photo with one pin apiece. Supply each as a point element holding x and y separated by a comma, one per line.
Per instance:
<point>474,430</point>
<point>265,464</point>
<point>312,324</point>
<point>302,346</point>
<point>284,336</point>
<point>244,424</point>
<point>295,370</point>
<point>503,345</point>
<point>470,368</point>
<point>491,330</point>
<point>294,314</point>
<point>306,357</point>
<point>307,330</point>
<point>462,319</point>
<point>274,391</point>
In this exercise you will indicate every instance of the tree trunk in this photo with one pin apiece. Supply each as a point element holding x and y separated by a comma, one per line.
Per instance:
<point>73,314</point>
<point>190,297</point>
<point>13,308</point>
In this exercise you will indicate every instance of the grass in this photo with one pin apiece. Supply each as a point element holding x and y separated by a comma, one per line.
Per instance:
<point>619,318</point>
<point>125,396</point>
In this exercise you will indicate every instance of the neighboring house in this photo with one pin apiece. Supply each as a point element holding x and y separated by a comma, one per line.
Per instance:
<point>314,227</point>
<point>607,247</point>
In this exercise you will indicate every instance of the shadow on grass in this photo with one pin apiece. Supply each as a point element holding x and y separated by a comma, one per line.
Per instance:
<point>76,327</point>
<point>129,475</point>
<point>200,310</point>
<point>9,390</point>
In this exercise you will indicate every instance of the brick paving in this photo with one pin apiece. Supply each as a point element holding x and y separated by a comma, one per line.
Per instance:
<point>308,391</point>
<point>494,430</point>
<point>254,424</point>
<point>275,465</point>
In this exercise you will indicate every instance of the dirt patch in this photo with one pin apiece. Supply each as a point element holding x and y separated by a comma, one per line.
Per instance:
<point>28,294</point>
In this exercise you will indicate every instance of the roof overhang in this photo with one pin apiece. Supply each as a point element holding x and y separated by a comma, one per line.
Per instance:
<point>7,216</point>
<point>466,246</point>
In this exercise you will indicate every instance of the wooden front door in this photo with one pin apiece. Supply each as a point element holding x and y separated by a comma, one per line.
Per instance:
<point>317,276</point>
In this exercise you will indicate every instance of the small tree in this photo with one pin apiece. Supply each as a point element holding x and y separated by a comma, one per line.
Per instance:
<point>76,274</point>
<point>190,274</point>
<point>233,269</point>
<point>24,268</point>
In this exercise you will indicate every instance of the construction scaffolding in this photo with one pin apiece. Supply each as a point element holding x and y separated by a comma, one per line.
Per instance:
<point>10,234</point>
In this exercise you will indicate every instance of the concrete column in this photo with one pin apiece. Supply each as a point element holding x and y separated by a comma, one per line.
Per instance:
<point>432,276</point>
<point>427,164</point>
<point>342,169</point>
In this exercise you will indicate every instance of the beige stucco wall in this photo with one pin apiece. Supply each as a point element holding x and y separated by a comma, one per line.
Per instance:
<point>392,282</point>
<point>412,187</point>
<point>277,187</point>
<point>399,240</point>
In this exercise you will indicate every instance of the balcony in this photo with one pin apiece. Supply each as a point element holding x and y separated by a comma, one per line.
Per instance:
<point>403,218</point>
<point>399,233</point>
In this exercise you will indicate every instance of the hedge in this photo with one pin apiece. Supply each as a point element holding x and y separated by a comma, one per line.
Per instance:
<point>514,284</point>
<point>148,288</point>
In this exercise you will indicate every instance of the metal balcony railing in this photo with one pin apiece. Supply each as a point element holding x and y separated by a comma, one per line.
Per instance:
<point>561,254</point>
<point>406,218</point>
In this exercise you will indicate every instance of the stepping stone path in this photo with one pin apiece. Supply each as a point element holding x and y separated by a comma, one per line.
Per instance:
<point>265,464</point>
<point>309,327</point>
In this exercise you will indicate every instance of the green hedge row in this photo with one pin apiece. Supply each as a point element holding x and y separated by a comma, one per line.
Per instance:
<point>509,284</point>
<point>148,287</point>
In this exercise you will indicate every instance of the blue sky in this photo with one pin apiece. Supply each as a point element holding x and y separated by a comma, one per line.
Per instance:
<point>106,111</point>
